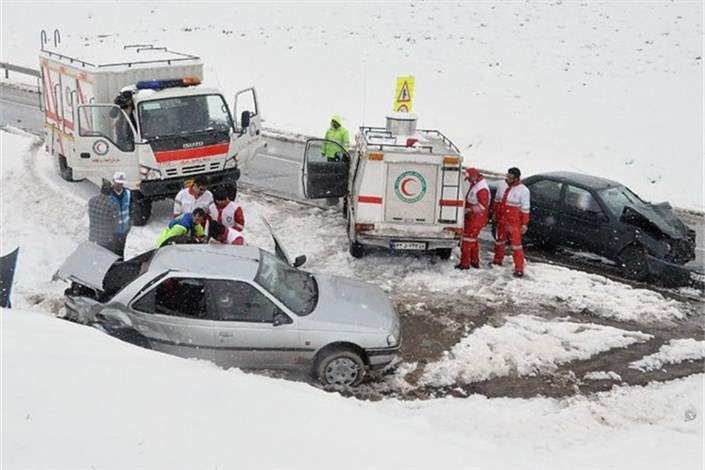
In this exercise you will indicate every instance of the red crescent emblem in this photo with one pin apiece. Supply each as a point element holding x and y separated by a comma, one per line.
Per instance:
<point>403,187</point>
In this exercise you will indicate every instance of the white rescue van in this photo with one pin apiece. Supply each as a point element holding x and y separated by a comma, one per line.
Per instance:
<point>179,130</point>
<point>401,187</point>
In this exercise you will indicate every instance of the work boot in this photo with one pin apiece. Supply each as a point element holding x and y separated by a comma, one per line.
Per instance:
<point>475,265</point>
<point>461,267</point>
<point>493,263</point>
<point>518,273</point>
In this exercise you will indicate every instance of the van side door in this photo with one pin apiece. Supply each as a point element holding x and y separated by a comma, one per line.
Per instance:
<point>248,125</point>
<point>104,143</point>
<point>322,177</point>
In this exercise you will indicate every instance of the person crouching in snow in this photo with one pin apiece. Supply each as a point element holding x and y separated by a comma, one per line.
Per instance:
<point>187,228</point>
<point>225,235</point>
<point>512,206</point>
<point>477,203</point>
<point>225,211</point>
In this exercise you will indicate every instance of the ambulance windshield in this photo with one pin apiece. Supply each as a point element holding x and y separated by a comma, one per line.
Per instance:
<point>182,115</point>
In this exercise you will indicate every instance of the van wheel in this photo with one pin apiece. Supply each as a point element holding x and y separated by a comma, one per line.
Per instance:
<point>633,262</point>
<point>357,250</point>
<point>65,170</point>
<point>444,253</point>
<point>140,209</point>
<point>340,366</point>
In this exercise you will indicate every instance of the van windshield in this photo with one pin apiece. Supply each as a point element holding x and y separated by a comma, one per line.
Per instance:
<point>183,115</point>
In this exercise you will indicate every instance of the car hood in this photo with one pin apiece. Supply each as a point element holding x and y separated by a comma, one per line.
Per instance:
<point>353,303</point>
<point>87,265</point>
<point>662,217</point>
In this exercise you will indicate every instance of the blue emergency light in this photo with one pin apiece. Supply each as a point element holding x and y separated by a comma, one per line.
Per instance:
<point>167,83</point>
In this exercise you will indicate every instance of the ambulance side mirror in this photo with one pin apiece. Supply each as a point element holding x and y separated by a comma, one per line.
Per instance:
<point>245,120</point>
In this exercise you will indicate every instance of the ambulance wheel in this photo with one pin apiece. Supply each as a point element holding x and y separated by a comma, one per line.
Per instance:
<point>140,209</point>
<point>65,170</point>
<point>356,249</point>
<point>444,253</point>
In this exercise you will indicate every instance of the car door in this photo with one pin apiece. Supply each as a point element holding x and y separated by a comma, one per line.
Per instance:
<point>321,178</point>
<point>248,125</point>
<point>545,203</point>
<point>252,330</point>
<point>105,142</point>
<point>172,315</point>
<point>583,223</point>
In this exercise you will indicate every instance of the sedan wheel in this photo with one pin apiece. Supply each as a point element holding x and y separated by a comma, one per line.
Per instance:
<point>342,367</point>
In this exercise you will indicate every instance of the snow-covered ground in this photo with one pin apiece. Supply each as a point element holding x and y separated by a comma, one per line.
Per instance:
<point>608,88</point>
<point>677,350</point>
<point>74,398</point>
<point>64,383</point>
<point>525,345</point>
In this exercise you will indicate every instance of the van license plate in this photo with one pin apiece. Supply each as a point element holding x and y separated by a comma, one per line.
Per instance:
<point>409,245</point>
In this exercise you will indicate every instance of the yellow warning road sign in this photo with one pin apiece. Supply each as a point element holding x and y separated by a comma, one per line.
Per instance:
<point>404,95</point>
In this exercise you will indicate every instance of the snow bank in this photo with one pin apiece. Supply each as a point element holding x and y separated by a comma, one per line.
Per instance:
<point>524,345</point>
<point>73,397</point>
<point>657,426</point>
<point>676,351</point>
<point>607,88</point>
<point>67,386</point>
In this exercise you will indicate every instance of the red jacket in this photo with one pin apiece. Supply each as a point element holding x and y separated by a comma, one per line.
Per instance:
<point>477,201</point>
<point>512,204</point>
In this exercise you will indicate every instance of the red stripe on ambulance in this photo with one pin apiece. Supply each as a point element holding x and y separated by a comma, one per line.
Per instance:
<point>186,154</point>
<point>370,199</point>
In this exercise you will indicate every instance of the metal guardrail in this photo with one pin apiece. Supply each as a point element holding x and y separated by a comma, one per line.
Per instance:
<point>18,69</point>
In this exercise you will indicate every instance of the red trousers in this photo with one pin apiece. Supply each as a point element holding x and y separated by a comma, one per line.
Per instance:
<point>513,233</point>
<point>469,245</point>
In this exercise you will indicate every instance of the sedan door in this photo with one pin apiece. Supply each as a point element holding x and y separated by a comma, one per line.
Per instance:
<point>172,316</point>
<point>583,223</point>
<point>252,330</point>
<point>545,204</point>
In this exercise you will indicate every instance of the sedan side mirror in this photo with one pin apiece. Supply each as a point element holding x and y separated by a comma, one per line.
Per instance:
<point>299,261</point>
<point>279,318</point>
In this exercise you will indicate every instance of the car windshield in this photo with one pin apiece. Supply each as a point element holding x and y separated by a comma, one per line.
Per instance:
<point>295,289</point>
<point>182,115</point>
<point>619,197</point>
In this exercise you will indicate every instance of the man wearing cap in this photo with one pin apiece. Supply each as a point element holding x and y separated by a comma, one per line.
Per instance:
<point>512,205</point>
<point>195,196</point>
<point>124,134</point>
<point>121,197</point>
<point>477,204</point>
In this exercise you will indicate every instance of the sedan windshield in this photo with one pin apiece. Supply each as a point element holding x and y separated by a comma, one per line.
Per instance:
<point>181,115</point>
<point>295,289</point>
<point>618,198</point>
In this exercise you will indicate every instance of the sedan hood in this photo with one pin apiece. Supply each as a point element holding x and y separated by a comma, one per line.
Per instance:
<point>353,303</point>
<point>660,215</point>
<point>87,265</point>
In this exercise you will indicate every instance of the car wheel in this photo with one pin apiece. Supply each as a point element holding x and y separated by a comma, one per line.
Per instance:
<point>632,259</point>
<point>444,253</point>
<point>65,170</point>
<point>340,367</point>
<point>357,250</point>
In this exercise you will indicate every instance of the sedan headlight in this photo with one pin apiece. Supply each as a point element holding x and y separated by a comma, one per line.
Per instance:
<point>230,163</point>
<point>392,340</point>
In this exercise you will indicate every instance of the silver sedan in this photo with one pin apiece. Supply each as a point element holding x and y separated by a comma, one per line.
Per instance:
<point>236,306</point>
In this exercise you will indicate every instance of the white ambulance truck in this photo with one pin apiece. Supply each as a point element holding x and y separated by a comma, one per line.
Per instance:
<point>178,130</point>
<point>401,186</point>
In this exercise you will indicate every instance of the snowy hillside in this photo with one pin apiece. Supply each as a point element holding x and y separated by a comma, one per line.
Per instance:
<point>608,88</point>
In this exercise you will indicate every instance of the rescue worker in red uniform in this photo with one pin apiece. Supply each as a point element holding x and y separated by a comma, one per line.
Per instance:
<point>477,205</point>
<point>512,205</point>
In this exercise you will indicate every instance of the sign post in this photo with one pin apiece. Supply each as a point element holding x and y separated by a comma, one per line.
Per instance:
<point>404,95</point>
